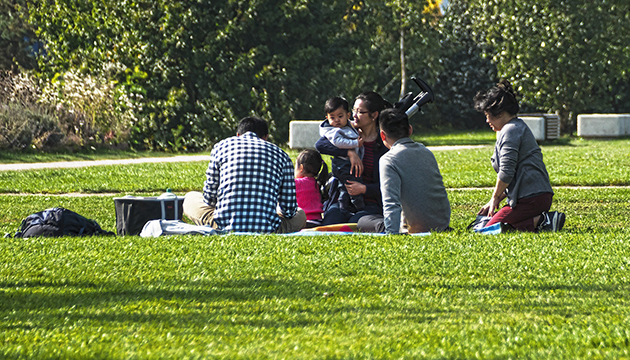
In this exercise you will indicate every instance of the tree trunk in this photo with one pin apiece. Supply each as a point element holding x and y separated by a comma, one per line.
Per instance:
<point>403,72</point>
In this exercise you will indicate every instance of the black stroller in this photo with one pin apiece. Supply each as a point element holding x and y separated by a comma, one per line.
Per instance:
<point>411,104</point>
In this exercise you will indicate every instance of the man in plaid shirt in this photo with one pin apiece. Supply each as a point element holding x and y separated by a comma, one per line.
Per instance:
<point>250,185</point>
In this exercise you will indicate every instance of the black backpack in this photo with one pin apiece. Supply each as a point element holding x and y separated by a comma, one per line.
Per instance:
<point>58,222</point>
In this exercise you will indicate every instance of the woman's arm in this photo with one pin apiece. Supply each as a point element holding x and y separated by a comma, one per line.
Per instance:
<point>324,146</point>
<point>497,196</point>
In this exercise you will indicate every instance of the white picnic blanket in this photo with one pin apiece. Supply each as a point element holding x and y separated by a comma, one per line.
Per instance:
<point>155,228</point>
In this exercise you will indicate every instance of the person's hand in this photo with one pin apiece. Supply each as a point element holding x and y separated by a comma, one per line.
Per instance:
<point>356,165</point>
<point>490,207</point>
<point>360,140</point>
<point>355,188</point>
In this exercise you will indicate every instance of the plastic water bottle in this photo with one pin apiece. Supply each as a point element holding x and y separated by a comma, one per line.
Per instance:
<point>167,195</point>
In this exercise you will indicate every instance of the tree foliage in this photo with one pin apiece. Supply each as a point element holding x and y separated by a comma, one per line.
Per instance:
<point>17,46</point>
<point>194,68</point>
<point>465,70</point>
<point>374,30</point>
<point>200,66</point>
<point>567,56</point>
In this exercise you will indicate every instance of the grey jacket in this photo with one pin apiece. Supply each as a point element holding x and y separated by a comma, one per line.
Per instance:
<point>411,182</point>
<point>518,161</point>
<point>346,137</point>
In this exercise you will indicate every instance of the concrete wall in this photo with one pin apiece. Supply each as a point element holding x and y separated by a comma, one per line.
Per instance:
<point>303,134</point>
<point>536,125</point>
<point>603,125</point>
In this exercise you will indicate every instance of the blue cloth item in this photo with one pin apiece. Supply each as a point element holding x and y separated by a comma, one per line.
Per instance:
<point>493,229</point>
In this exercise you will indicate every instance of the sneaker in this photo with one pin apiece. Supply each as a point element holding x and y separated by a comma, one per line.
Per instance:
<point>357,202</point>
<point>552,221</point>
<point>505,227</point>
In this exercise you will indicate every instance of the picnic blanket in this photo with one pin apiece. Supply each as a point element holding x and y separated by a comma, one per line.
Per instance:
<point>155,228</point>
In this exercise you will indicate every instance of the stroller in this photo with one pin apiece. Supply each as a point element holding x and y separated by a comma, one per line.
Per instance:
<point>411,104</point>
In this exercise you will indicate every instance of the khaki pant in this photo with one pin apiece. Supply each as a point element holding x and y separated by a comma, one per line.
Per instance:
<point>203,214</point>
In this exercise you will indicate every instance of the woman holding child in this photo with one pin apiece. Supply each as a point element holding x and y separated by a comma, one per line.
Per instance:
<point>365,112</point>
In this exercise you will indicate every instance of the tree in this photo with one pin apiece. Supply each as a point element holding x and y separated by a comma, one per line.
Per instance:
<point>465,70</point>
<point>567,56</point>
<point>390,42</point>
<point>199,66</point>
<point>17,46</point>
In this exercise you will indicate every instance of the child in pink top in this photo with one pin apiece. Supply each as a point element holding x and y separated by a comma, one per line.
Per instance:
<point>308,189</point>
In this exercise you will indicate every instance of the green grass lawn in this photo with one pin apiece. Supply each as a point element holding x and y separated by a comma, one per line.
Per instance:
<point>578,163</point>
<point>450,295</point>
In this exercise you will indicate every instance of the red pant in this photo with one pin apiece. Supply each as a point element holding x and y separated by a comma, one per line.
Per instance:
<point>522,215</point>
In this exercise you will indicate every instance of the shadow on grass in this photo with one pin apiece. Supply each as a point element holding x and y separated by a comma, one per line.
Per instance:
<point>273,303</point>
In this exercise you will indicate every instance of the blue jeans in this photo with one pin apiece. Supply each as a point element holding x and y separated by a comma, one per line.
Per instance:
<point>337,215</point>
<point>341,170</point>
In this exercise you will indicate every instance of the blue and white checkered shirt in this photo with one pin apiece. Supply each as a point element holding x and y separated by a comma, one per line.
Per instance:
<point>250,180</point>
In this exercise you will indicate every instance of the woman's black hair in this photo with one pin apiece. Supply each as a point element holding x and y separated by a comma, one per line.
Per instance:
<point>314,165</point>
<point>374,102</point>
<point>497,99</point>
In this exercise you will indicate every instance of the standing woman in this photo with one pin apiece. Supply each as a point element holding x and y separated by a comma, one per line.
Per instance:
<point>521,173</point>
<point>367,107</point>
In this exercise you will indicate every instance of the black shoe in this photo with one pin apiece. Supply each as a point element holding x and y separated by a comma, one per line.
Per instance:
<point>344,201</point>
<point>552,221</point>
<point>357,202</point>
<point>505,227</point>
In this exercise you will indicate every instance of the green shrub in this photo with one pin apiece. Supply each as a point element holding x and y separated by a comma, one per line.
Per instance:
<point>26,127</point>
<point>91,108</point>
<point>74,110</point>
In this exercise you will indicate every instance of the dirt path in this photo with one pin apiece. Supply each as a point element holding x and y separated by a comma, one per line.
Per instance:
<point>80,164</point>
<point>572,187</point>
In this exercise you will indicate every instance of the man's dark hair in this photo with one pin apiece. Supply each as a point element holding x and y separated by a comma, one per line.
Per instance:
<point>255,124</point>
<point>497,99</point>
<point>335,103</point>
<point>395,123</point>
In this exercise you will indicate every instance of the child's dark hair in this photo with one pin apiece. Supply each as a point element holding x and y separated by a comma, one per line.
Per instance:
<point>497,99</point>
<point>335,103</point>
<point>314,165</point>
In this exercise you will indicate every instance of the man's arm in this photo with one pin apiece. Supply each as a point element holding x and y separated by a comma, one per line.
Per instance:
<point>287,201</point>
<point>211,184</point>
<point>390,189</point>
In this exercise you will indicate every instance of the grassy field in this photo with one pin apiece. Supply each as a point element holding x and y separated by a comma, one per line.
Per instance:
<point>451,295</point>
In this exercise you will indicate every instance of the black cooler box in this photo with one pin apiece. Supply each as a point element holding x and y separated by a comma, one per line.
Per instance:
<point>132,212</point>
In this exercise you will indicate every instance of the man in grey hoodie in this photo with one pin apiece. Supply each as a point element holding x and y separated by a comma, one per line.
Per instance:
<point>411,183</point>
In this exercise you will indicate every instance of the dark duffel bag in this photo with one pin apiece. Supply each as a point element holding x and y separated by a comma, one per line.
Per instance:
<point>56,222</point>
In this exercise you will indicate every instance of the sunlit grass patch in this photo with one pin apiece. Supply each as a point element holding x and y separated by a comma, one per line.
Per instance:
<point>454,295</point>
